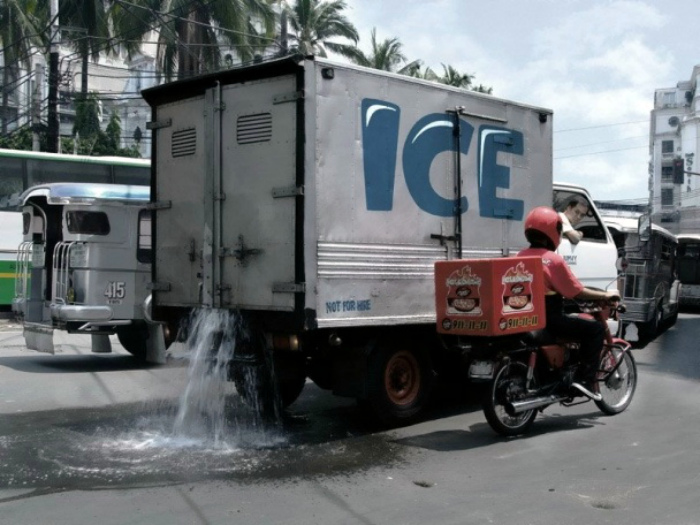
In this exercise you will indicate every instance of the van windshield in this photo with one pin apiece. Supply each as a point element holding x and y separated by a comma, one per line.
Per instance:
<point>87,222</point>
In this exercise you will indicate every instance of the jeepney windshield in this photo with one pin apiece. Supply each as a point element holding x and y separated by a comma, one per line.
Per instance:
<point>87,222</point>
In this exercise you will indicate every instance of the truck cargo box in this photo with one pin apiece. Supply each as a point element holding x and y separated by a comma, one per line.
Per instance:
<point>324,193</point>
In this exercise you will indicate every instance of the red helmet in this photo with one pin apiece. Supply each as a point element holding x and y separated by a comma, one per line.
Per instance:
<point>546,221</point>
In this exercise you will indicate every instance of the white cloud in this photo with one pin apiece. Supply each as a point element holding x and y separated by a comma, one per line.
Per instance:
<point>593,63</point>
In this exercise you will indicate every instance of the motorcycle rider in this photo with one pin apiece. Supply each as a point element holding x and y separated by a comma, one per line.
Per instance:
<point>543,230</point>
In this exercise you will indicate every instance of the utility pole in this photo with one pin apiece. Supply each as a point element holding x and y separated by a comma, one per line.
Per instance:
<point>53,128</point>
<point>36,105</point>
<point>284,45</point>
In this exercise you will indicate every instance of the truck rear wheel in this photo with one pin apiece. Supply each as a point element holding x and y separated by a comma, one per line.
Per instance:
<point>399,383</point>
<point>290,376</point>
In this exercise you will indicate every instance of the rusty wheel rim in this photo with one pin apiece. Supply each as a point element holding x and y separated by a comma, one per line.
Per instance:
<point>402,378</point>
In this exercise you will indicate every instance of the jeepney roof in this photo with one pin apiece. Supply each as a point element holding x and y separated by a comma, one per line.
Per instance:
<point>77,192</point>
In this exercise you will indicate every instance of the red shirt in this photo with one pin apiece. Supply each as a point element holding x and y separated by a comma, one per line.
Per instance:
<point>558,277</point>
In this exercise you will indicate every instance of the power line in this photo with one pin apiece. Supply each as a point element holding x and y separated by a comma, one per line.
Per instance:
<point>600,126</point>
<point>601,152</point>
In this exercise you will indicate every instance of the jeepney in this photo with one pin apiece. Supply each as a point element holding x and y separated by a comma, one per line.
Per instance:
<point>648,269</point>
<point>84,266</point>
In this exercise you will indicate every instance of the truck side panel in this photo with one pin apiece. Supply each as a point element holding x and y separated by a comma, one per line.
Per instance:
<point>383,191</point>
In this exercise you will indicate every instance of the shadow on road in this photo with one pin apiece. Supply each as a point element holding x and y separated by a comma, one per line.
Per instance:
<point>676,350</point>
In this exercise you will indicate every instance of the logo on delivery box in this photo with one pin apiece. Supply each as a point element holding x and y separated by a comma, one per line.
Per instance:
<point>517,290</point>
<point>463,296</point>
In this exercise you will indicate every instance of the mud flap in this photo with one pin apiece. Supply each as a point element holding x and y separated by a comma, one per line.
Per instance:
<point>101,344</point>
<point>155,345</point>
<point>39,337</point>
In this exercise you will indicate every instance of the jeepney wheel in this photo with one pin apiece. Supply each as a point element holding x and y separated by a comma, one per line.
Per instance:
<point>653,327</point>
<point>133,338</point>
<point>400,380</point>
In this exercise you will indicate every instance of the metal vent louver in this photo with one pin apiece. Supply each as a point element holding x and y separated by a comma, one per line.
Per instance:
<point>251,129</point>
<point>184,142</point>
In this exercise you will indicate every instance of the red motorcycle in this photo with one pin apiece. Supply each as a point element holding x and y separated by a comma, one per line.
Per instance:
<point>535,371</point>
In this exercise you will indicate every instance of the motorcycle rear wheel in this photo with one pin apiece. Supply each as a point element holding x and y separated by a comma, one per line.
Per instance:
<point>509,384</point>
<point>617,388</point>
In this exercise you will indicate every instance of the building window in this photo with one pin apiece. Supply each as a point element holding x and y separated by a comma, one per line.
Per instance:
<point>666,146</point>
<point>667,173</point>
<point>669,98</point>
<point>667,197</point>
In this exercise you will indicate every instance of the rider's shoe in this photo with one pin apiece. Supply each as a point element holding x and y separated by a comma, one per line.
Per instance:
<point>586,392</point>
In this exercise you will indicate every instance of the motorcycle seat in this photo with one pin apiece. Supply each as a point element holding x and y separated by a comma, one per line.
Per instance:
<point>539,337</point>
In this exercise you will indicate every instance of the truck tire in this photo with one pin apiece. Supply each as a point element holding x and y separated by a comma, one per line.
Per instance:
<point>290,376</point>
<point>399,382</point>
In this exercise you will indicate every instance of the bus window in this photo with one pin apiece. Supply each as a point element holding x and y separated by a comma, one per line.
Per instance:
<point>144,251</point>
<point>87,222</point>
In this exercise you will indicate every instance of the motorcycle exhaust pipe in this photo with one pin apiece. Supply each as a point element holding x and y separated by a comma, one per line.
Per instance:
<point>516,407</point>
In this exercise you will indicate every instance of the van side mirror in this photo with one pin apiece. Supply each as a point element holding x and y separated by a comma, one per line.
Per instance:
<point>644,228</point>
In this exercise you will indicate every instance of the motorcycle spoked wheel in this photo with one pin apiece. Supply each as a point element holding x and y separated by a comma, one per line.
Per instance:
<point>509,384</point>
<point>617,386</point>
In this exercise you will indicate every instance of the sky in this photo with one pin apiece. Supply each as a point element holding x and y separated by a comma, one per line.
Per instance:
<point>595,63</point>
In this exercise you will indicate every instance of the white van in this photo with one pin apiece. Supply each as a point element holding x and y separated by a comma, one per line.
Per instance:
<point>593,259</point>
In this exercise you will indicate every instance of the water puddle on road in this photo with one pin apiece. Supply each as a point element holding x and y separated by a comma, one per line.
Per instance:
<point>211,428</point>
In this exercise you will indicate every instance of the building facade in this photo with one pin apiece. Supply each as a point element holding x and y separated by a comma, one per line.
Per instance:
<point>674,138</point>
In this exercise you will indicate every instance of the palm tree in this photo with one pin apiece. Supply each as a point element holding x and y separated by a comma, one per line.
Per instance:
<point>452,77</point>
<point>191,32</point>
<point>425,73</point>
<point>387,56</point>
<point>18,32</point>
<point>89,32</point>
<point>313,23</point>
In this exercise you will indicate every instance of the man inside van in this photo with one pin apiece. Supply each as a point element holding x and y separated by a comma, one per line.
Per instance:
<point>575,210</point>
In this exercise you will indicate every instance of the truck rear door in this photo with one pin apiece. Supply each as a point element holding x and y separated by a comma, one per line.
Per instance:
<point>254,183</point>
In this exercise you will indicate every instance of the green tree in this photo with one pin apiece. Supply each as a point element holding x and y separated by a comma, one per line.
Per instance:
<point>315,24</point>
<point>387,56</point>
<point>191,32</point>
<point>18,33</point>
<point>452,77</point>
<point>114,131</point>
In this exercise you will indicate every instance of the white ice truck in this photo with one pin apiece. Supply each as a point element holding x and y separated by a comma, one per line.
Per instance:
<point>313,199</point>
<point>84,266</point>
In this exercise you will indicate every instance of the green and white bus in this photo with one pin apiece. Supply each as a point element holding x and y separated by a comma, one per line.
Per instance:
<point>20,170</point>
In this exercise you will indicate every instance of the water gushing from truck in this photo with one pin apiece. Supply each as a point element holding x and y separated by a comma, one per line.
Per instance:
<point>209,410</point>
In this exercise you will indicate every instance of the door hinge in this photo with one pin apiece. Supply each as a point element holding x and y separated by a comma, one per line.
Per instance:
<point>287,191</point>
<point>159,205</point>
<point>158,287</point>
<point>288,287</point>
<point>158,124</point>
<point>288,97</point>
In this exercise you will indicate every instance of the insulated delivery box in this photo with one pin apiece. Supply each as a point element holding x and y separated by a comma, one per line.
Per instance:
<point>489,297</point>
<point>314,198</point>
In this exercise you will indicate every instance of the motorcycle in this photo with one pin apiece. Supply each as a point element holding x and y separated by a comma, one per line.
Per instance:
<point>534,371</point>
